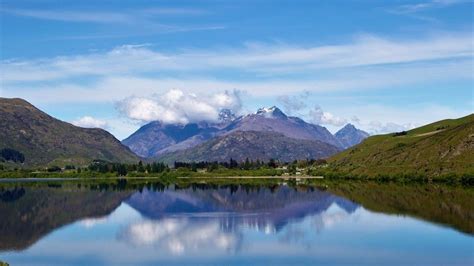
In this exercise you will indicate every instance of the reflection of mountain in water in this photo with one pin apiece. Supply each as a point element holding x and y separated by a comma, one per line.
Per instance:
<point>29,213</point>
<point>263,208</point>
<point>198,220</point>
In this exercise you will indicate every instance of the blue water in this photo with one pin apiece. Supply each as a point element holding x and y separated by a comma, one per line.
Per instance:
<point>224,227</point>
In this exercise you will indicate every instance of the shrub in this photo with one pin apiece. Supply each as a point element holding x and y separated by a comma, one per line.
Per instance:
<point>402,133</point>
<point>12,155</point>
<point>54,169</point>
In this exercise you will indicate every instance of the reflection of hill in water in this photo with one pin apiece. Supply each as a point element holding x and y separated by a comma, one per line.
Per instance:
<point>264,208</point>
<point>449,205</point>
<point>29,213</point>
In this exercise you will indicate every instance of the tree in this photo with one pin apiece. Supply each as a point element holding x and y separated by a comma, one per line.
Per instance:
<point>233,163</point>
<point>272,163</point>
<point>140,167</point>
<point>247,164</point>
<point>121,170</point>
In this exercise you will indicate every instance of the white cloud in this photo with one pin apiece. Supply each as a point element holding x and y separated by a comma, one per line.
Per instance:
<point>367,50</point>
<point>131,22</point>
<point>320,117</point>
<point>114,87</point>
<point>176,106</point>
<point>124,17</point>
<point>377,127</point>
<point>134,72</point>
<point>422,6</point>
<point>72,16</point>
<point>92,222</point>
<point>90,122</point>
<point>295,103</point>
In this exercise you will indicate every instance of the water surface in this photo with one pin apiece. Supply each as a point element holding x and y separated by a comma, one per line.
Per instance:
<point>341,224</point>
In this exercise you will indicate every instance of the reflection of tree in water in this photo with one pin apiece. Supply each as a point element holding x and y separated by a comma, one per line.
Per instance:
<point>11,195</point>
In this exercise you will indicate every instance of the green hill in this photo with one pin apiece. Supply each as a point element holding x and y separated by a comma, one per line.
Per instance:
<point>439,149</point>
<point>30,138</point>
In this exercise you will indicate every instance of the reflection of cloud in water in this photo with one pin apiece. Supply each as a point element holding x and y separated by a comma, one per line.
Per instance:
<point>296,233</point>
<point>330,217</point>
<point>180,235</point>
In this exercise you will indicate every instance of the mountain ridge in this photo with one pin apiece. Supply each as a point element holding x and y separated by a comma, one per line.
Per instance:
<point>154,139</point>
<point>349,135</point>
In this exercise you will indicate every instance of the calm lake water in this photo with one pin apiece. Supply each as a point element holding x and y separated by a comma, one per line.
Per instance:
<point>337,224</point>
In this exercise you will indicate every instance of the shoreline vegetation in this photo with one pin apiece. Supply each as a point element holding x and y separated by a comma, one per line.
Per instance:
<point>232,170</point>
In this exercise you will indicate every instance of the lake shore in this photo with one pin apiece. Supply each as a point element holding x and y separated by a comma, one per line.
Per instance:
<point>47,179</point>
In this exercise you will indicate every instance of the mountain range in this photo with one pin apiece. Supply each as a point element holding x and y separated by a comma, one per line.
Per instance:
<point>43,140</point>
<point>265,134</point>
<point>32,138</point>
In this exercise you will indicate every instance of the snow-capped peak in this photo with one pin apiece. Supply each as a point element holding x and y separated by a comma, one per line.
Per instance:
<point>270,112</point>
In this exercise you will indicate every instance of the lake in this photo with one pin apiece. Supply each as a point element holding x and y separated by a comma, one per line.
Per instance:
<point>347,223</point>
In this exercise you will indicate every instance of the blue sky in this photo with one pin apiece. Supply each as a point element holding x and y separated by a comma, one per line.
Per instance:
<point>382,65</point>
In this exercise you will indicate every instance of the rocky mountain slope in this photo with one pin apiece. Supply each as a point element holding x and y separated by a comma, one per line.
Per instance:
<point>44,140</point>
<point>349,136</point>
<point>274,120</point>
<point>155,138</point>
<point>254,145</point>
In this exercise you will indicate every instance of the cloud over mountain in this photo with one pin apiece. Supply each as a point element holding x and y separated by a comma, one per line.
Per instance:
<point>320,117</point>
<point>177,106</point>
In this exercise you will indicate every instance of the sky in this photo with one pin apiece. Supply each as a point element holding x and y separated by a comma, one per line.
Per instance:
<point>383,66</point>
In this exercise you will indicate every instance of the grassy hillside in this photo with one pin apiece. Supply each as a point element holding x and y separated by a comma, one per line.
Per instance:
<point>44,140</point>
<point>439,149</point>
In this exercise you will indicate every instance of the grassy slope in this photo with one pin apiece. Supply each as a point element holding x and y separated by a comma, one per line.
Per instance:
<point>45,140</point>
<point>441,148</point>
